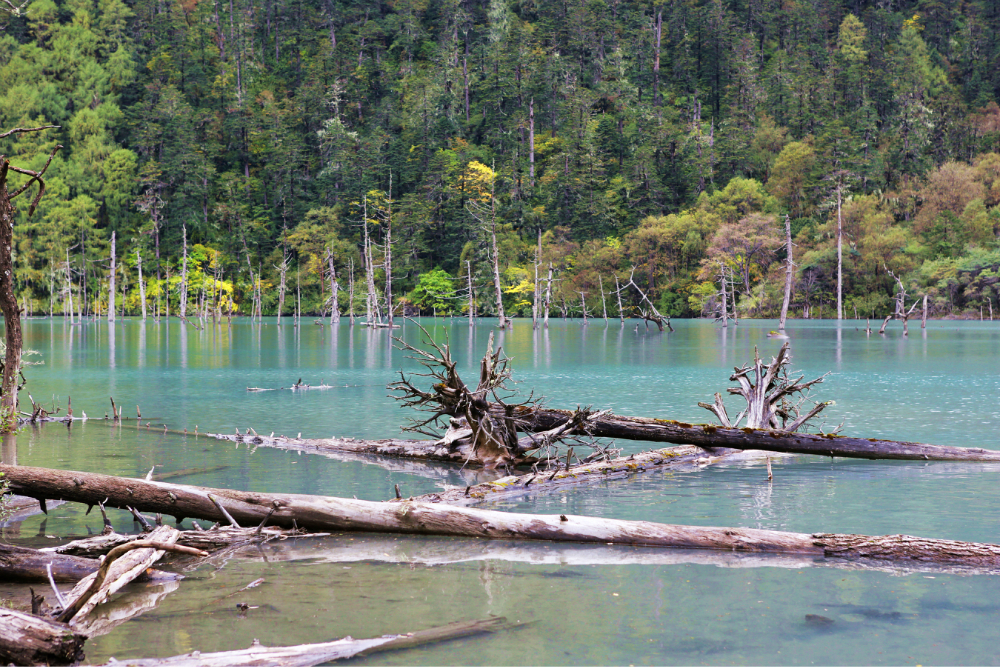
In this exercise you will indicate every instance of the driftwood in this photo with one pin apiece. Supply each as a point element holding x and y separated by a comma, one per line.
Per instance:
<point>23,564</point>
<point>768,395</point>
<point>307,655</point>
<point>31,640</point>
<point>641,429</point>
<point>218,537</point>
<point>548,481</point>
<point>482,422</point>
<point>342,514</point>
<point>121,566</point>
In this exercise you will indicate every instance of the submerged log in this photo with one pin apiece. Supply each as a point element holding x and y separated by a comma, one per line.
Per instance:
<point>306,655</point>
<point>120,567</point>
<point>32,640</point>
<point>23,564</point>
<point>548,481</point>
<point>328,513</point>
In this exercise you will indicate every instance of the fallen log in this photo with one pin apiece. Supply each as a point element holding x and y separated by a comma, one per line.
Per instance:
<point>711,437</point>
<point>26,639</point>
<point>307,655</point>
<point>23,564</point>
<point>343,514</point>
<point>214,539</point>
<point>121,566</point>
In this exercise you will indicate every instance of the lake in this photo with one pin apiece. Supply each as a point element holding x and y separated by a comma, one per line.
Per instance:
<point>580,604</point>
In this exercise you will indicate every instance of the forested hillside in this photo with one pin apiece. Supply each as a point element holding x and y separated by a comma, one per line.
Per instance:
<point>672,138</point>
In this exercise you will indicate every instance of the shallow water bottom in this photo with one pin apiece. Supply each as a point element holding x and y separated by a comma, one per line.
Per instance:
<point>575,606</point>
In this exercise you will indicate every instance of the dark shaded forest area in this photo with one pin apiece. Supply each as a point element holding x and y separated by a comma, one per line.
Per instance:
<point>245,150</point>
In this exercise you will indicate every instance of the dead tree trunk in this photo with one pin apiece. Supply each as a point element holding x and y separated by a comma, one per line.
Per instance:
<point>282,269</point>
<point>26,639</point>
<point>472,302</point>
<point>767,396</point>
<point>142,285</point>
<point>343,514</point>
<point>184,272</point>
<point>388,255</point>
<point>923,318</point>
<point>8,300</point>
<point>789,273</point>
<point>548,298</point>
<point>111,282</point>
<point>22,564</point>
<point>334,291</point>
<point>305,655</point>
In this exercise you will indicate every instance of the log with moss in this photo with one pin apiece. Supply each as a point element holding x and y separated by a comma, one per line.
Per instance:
<point>420,518</point>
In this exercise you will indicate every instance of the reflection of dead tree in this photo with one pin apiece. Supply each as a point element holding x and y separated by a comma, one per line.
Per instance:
<point>490,436</point>
<point>768,396</point>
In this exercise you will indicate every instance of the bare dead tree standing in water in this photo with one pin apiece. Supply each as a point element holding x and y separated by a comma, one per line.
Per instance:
<point>142,285</point>
<point>334,290</point>
<point>789,273</point>
<point>282,269</point>
<point>111,282</point>
<point>8,301</point>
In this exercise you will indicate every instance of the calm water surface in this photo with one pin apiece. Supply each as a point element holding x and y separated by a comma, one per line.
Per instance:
<point>581,604</point>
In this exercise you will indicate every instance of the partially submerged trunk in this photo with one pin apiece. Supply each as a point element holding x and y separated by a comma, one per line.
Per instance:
<point>26,639</point>
<point>642,429</point>
<point>342,514</point>
<point>711,436</point>
<point>549,481</point>
<point>306,655</point>
<point>23,564</point>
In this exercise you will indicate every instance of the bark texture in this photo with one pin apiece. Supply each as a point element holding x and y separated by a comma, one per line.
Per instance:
<point>342,514</point>
<point>31,640</point>
<point>22,564</point>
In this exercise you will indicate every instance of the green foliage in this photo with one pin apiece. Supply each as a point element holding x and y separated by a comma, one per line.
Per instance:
<point>435,291</point>
<point>257,129</point>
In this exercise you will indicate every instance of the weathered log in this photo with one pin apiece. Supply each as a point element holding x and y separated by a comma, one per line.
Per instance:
<point>710,436</point>
<point>120,567</point>
<point>219,537</point>
<point>643,429</point>
<point>31,640</point>
<point>342,514</point>
<point>307,655</point>
<point>23,564</point>
<point>548,481</point>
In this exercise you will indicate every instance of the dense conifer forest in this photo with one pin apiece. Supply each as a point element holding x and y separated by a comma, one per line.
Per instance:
<point>257,154</point>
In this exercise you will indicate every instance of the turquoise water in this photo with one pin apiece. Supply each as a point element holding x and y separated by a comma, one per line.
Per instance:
<point>580,605</point>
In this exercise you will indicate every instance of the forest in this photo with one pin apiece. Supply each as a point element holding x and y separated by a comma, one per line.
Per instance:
<point>332,157</point>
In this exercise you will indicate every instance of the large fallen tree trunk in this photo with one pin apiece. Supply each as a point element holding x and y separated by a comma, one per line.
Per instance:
<point>306,655</point>
<point>342,514</point>
<point>32,640</point>
<point>711,436</point>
